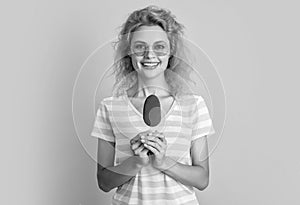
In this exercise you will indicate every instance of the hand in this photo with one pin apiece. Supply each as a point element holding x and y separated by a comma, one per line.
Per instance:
<point>157,144</point>
<point>139,150</point>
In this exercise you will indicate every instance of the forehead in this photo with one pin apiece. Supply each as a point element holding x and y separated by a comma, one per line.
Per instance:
<point>149,34</point>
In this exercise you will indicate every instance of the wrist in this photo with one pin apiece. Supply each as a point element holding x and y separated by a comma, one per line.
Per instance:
<point>139,162</point>
<point>165,164</point>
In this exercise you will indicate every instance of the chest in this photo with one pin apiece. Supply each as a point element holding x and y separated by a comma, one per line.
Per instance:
<point>166,104</point>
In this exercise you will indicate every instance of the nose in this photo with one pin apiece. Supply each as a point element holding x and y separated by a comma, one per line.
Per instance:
<point>150,53</point>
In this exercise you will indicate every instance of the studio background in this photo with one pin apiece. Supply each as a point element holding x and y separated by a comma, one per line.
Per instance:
<point>253,44</point>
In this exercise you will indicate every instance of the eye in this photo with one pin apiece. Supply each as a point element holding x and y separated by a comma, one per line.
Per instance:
<point>160,46</point>
<point>139,46</point>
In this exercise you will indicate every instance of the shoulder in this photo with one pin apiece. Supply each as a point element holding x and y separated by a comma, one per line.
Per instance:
<point>113,103</point>
<point>112,100</point>
<point>190,100</point>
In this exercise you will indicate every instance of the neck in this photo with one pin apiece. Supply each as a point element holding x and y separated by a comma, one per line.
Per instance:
<point>157,86</point>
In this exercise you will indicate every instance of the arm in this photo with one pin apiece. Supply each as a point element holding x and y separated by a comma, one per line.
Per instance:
<point>108,175</point>
<point>196,175</point>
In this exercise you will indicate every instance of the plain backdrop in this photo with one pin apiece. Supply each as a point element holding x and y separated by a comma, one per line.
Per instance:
<point>253,44</point>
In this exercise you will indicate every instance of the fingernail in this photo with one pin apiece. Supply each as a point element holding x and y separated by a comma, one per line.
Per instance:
<point>142,140</point>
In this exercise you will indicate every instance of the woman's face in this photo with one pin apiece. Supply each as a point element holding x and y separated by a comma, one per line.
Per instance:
<point>149,51</point>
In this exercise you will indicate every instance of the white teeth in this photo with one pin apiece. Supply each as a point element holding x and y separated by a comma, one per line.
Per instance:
<point>150,64</point>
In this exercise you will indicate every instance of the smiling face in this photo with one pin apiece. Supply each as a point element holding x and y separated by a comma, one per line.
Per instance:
<point>150,51</point>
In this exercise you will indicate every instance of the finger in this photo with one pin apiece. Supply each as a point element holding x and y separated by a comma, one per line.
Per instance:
<point>151,137</point>
<point>139,149</point>
<point>159,135</point>
<point>147,135</point>
<point>139,135</point>
<point>135,145</point>
<point>136,138</point>
<point>152,149</point>
<point>157,141</point>
<point>162,144</point>
<point>156,146</point>
<point>144,151</point>
<point>163,139</point>
<point>133,141</point>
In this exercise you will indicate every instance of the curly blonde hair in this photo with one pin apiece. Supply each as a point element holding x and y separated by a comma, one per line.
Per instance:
<point>178,69</point>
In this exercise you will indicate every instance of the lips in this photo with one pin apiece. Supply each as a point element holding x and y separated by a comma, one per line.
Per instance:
<point>149,64</point>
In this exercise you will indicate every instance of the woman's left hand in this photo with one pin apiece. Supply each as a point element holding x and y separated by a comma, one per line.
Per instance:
<point>157,144</point>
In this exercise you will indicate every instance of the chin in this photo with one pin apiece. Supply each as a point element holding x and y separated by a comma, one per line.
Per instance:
<point>150,75</point>
<point>153,73</point>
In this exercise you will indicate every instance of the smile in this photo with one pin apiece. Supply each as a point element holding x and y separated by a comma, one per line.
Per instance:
<point>150,65</point>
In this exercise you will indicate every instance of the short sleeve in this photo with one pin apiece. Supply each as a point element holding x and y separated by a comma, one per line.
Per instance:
<point>102,126</point>
<point>202,122</point>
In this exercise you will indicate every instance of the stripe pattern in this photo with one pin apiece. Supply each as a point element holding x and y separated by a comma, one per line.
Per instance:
<point>117,121</point>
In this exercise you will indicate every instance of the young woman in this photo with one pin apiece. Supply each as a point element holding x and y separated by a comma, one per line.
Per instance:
<point>147,62</point>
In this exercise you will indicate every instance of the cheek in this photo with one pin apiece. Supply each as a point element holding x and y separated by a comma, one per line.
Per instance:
<point>134,62</point>
<point>164,62</point>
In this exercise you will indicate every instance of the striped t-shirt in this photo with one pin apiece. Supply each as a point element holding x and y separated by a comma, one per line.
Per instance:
<point>117,120</point>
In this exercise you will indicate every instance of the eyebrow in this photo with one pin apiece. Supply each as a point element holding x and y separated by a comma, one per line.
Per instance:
<point>139,41</point>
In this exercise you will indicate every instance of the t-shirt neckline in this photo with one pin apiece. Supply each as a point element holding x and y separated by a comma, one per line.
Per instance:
<point>126,98</point>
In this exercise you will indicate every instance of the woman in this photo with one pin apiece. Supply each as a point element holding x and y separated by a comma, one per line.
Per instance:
<point>148,61</point>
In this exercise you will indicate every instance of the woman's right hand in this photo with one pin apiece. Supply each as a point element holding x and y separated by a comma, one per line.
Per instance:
<point>139,150</point>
